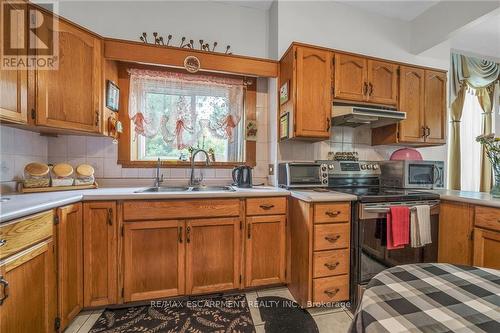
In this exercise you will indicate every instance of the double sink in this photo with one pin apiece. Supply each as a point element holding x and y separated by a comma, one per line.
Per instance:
<point>188,189</point>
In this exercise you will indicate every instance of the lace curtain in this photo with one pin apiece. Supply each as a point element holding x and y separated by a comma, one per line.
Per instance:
<point>202,103</point>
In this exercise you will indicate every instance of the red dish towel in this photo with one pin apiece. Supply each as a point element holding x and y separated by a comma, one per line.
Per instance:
<point>398,227</point>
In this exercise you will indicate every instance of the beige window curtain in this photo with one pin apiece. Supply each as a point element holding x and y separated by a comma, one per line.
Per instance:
<point>479,77</point>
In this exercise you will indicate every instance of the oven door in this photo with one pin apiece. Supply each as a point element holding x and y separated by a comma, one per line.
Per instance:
<point>373,255</point>
<point>420,174</point>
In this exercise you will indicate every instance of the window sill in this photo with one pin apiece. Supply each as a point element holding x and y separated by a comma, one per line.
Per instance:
<point>181,164</point>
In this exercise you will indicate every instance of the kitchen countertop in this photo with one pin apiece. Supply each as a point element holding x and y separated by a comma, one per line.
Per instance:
<point>477,198</point>
<point>20,205</point>
<point>315,196</point>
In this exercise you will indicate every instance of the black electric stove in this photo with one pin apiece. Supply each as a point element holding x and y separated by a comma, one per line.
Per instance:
<point>369,254</point>
<point>362,179</point>
<point>379,194</point>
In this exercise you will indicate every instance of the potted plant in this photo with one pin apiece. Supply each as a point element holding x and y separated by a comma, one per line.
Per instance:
<point>492,148</point>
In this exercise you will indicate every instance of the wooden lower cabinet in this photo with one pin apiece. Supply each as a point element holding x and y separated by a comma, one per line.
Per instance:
<point>212,255</point>
<point>154,256</point>
<point>29,302</point>
<point>69,262</point>
<point>265,250</point>
<point>320,260</point>
<point>100,280</point>
<point>486,248</point>
<point>456,223</point>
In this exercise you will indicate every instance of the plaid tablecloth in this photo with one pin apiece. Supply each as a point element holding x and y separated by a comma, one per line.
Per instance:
<point>430,298</point>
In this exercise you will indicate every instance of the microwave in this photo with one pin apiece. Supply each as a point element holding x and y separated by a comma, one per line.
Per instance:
<point>412,174</point>
<point>302,175</point>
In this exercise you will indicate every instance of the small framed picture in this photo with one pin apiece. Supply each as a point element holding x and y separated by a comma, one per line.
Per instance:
<point>284,126</point>
<point>284,92</point>
<point>112,96</point>
<point>251,128</point>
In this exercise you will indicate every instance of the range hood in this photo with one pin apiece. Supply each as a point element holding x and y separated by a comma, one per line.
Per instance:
<point>354,116</point>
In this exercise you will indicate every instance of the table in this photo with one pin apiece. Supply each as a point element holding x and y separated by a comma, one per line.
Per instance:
<point>430,298</point>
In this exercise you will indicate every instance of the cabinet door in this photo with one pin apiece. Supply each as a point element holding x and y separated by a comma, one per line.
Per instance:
<point>350,77</point>
<point>69,97</point>
<point>314,102</point>
<point>486,248</point>
<point>212,255</point>
<point>411,101</point>
<point>29,301</point>
<point>13,83</point>
<point>435,106</point>
<point>99,253</point>
<point>382,82</point>
<point>455,230</point>
<point>265,250</point>
<point>70,262</point>
<point>153,259</point>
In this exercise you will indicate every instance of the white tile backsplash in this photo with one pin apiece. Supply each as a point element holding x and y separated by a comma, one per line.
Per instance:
<point>18,148</point>
<point>345,139</point>
<point>78,145</point>
<point>95,146</point>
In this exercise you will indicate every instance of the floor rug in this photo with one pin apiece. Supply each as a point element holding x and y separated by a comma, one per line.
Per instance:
<point>281,315</point>
<point>228,313</point>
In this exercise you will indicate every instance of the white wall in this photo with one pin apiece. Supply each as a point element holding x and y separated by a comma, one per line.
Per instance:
<point>340,26</point>
<point>245,29</point>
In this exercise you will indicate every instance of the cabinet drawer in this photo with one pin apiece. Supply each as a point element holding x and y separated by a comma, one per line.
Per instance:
<point>328,213</point>
<point>329,263</point>
<point>331,289</point>
<point>487,217</point>
<point>266,206</point>
<point>331,236</point>
<point>176,209</point>
<point>25,232</point>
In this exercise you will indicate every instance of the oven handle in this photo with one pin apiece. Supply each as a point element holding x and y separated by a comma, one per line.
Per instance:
<point>387,208</point>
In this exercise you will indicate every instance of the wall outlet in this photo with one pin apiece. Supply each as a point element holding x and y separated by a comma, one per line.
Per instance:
<point>271,169</point>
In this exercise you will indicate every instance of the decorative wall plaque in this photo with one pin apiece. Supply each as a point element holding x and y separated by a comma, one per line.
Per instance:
<point>192,64</point>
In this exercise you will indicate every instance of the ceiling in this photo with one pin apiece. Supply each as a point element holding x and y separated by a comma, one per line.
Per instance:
<point>481,38</point>
<point>257,4</point>
<point>402,9</point>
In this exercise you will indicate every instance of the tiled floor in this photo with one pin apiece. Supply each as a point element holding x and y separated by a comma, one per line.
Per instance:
<point>331,320</point>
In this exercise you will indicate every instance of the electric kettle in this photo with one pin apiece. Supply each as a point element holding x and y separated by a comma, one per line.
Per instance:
<point>242,176</point>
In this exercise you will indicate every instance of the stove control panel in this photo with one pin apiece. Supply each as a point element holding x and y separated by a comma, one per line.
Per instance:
<point>345,168</point>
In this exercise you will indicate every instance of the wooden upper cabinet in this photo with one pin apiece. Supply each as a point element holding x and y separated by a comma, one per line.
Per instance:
<point>153,259</point>
<point>265,250</point>
<point>212,255</point>
<point>13,96</point>
<point>313,95</point>
<point>29,301</point>
<point>70,262</point>
<point>14,83</point>
<point>350,77</point>
<point>69,98</point>
<point>435,107</point>
<point>382,82</point>
<point>99,253</point>
<point>412,99</point>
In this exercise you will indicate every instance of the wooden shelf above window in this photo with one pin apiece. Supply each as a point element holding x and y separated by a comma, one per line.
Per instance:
<point>123,50</point>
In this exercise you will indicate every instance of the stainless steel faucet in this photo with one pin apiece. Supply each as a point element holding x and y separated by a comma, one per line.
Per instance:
<point>197,181</point>
<point>158,180</point>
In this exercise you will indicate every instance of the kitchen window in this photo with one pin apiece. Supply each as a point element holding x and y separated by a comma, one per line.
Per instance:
<point>170,113</point>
